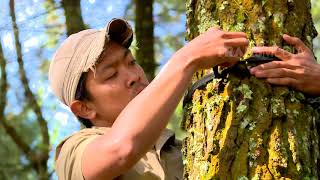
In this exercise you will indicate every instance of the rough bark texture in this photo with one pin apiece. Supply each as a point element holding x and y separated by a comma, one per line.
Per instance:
<point>240,127</point>
<point>144,26</point>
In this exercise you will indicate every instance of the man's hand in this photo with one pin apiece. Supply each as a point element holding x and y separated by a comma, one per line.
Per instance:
<point>214,47</point>
<point>299,70</point>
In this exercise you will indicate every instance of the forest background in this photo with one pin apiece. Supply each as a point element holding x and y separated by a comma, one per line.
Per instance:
<point>32,120</point>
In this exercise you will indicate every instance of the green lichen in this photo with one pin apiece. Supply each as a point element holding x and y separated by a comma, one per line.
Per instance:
<point>245,90</point>
<point>261,24</point>
<point>278,19</point>
<point>223,5</point>
<point>276,105</point>
<point>239,27</point>
<point>252,125</point>
<point>243,178</point>
<point>242,108</point>
<point>246,120</point>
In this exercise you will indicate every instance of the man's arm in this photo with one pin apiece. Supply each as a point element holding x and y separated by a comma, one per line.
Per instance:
<point>300,71</point>
<point>140,124</point>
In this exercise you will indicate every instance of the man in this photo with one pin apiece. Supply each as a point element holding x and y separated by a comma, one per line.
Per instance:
<point>94,73</point>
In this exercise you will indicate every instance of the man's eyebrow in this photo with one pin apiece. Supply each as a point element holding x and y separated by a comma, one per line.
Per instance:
<point>108,65</point>
<point>126,53</point>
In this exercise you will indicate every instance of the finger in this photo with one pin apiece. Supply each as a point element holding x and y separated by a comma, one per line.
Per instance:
<point>228,64</point>
<point>239,51</point>
<point>286,81</point>
<point>237,42</point>
<point>296,42</point>
<point>226,61</point>
<point>229,35</point>
<point>276,73</point>
<point>276,51</point>
<point>225,64</point>
<point>234,52</point>
<point>214,29</point>
<point>272,65</point>
<point>229,59</point>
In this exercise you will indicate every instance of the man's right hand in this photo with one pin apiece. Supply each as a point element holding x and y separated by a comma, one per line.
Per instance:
<point>214,47</point>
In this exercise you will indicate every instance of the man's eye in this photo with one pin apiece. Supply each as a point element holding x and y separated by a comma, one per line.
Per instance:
<point>112,76</point>
<point>133,62</point>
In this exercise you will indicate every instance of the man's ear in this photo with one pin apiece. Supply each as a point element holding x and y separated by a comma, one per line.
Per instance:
<point>81,109</point>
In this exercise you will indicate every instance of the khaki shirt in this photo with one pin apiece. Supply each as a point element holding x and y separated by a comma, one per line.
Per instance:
<point>163,161</point>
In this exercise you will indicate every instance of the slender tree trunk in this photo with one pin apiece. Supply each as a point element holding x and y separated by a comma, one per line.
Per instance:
<point>145,37</point>
<point>72,11</point>
<point>38,158</point>
<point>240,127</point>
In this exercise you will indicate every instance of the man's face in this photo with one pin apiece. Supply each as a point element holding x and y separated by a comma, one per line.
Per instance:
<point>117,81</point>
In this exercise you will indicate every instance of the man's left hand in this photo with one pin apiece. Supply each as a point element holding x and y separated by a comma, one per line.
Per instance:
<point>299,70</point>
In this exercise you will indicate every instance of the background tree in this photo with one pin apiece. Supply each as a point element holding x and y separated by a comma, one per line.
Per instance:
<point>240,127</point>
<point>168,32</point>
<point>27,134</point>
<point>38,155</point>
<point>72,11</point>
<point>144,27</point>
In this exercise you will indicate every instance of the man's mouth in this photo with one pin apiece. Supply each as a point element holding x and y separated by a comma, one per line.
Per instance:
<point>139,89</point>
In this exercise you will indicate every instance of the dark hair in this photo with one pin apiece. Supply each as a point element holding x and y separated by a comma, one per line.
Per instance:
<point>82,94</point>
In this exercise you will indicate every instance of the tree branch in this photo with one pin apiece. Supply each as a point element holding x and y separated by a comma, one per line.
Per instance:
<point>3,83</point>
<point>47,11</point>
<point>3,101</point>
<point>28,93</point>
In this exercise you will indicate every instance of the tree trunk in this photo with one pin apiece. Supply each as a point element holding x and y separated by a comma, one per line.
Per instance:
<point>38,158</point>
<point>145,37</point>
<point>240,127</point>
<point>72,11</point>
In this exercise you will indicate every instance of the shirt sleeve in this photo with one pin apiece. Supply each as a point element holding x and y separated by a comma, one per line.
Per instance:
<point>69,155</point>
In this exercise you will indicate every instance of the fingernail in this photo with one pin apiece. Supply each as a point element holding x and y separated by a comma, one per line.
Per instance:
<point>253,70</point>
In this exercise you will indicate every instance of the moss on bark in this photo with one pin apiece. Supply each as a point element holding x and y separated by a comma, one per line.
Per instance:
<point>240,127</point>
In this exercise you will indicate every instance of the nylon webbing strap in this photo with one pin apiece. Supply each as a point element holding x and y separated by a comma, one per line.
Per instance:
<point>260,59</point>
<point>201,83</point>
<point>254,60</point>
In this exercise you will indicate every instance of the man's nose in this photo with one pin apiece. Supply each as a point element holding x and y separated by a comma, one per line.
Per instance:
<point>131,78</point>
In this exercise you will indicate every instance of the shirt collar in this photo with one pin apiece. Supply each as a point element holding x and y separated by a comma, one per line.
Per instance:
<point>167,137</point>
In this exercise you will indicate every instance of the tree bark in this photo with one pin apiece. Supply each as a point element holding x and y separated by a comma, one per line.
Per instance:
<point>72,11</point>
<point>240,127</point>
<point>144,26</point>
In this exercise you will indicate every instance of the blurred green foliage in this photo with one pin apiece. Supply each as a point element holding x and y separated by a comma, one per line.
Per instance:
<point>315,10</point>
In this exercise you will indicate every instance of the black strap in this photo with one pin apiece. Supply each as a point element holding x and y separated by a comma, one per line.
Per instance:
<point>254,60</point>
<point>260,59</point>
<point>201,83</point>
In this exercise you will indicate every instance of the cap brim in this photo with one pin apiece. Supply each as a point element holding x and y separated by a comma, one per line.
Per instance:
<point>120,31</point>
<point>117,30</point>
